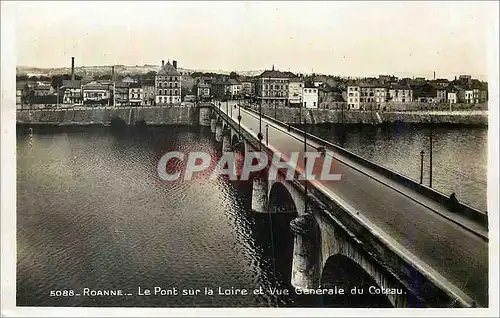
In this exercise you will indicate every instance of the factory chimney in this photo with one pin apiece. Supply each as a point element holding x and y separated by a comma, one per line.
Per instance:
<point>162,63</point>
<point>113,73</point>
<point>175,64</point>
<point>72,68</point>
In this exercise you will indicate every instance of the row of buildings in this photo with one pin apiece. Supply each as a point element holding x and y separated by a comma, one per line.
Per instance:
<point>271,88</point>
<point>465,90</point>
<point>286,89</point>
<point>165,89</point>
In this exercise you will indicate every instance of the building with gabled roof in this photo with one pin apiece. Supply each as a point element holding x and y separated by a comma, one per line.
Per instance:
<point>168,84</point>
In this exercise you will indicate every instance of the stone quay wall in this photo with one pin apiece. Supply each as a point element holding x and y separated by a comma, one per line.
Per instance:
<point>185,115</point>
<point>324,116</point>
<point>190,115</point>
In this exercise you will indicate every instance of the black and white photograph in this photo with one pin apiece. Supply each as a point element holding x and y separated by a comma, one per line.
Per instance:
<point>222,158</point>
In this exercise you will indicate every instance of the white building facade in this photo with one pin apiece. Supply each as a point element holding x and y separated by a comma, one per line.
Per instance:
<point>353,93</point>
<point>469,96</point>
<point>135,94</point>
<point>452,97</point>
<point>310,97</point>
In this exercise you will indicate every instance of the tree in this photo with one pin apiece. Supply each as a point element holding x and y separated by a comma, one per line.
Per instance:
<point>57,80</point>
<point>105,77</point>
<point>149,75</point>
<point>233,75</point>
<point>21,78</point>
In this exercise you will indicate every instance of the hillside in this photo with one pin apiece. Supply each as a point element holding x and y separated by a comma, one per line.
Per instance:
<point>90,71</point>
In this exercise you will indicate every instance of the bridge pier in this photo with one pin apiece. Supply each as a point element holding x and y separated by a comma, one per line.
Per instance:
<point>218,132</point>
<point>303,268</point>
<point>213,124</point>
<point>204,117</point>
<point>226,141</point>
<point>259,194</point>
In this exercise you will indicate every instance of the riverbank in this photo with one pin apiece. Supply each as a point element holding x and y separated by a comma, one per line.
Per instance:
<point>189,115</point>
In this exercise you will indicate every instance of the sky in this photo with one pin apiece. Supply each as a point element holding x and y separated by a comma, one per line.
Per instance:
<point>339,38</point>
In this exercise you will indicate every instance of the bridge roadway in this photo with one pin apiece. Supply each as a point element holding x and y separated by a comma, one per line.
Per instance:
<point>443,250</point>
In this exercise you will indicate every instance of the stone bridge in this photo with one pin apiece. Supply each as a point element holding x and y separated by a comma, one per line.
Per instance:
<point>336,250</point>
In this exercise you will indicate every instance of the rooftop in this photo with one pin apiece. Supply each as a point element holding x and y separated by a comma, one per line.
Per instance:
<point>95,86</point>
<point>72,83</point>
<point>276,74</point>
<point>168,69</point>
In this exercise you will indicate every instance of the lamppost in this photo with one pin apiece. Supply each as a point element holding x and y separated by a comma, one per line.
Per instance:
<point>430,153</point>
<point>259,135</point>
<point>239,120</point>
<point>421,166</point>
<point>305,168</point>
<point>232,110</point>
<point>267,135</point>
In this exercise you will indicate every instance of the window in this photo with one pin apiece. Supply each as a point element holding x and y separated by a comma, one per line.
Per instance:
<point>175,84</point>
<point>170,84</point>
<point>175,92</point>
<point>314,104</point>
<point>170,92</point>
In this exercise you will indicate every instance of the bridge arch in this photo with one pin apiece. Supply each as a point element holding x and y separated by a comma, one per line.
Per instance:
<point>360,288</point>
<point>234,139</point>
<point>337,248</point>
<point>280,200</point>
<point>284,188</point>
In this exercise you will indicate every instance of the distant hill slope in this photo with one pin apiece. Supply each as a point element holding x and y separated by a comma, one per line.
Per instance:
<point>86,71</point>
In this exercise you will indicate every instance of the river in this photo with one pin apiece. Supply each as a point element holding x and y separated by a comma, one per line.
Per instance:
<point>92,213</point>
